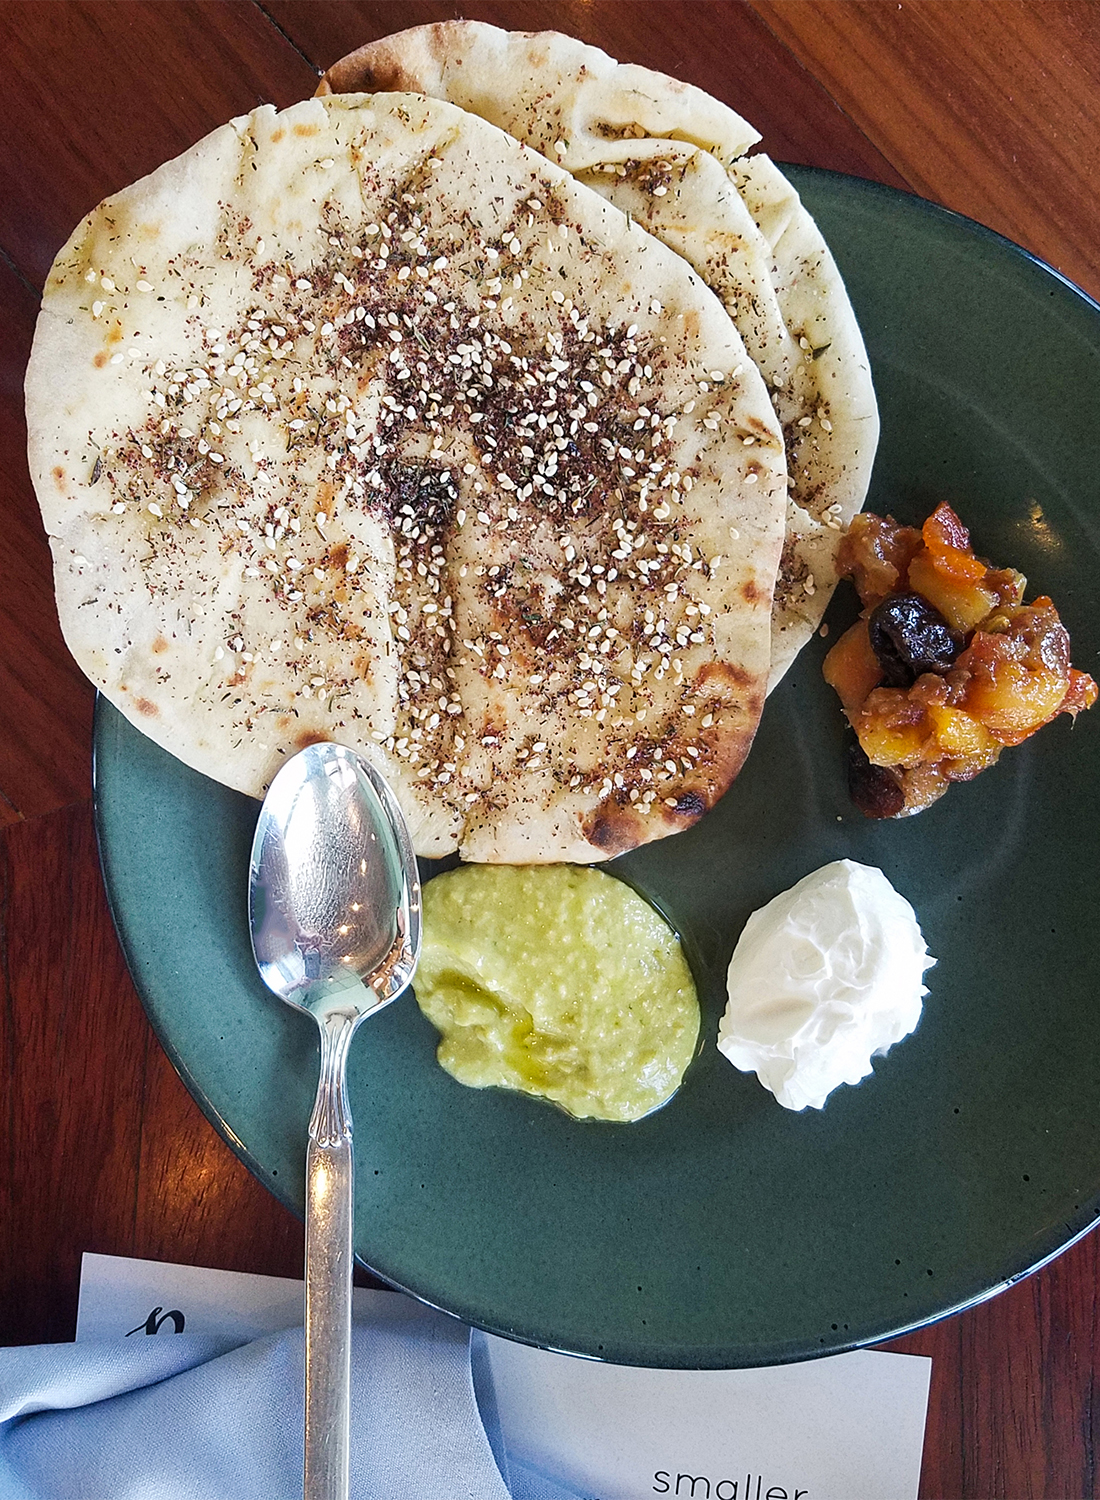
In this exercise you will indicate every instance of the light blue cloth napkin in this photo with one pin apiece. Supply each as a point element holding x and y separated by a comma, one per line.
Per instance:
<point>191,1417</point>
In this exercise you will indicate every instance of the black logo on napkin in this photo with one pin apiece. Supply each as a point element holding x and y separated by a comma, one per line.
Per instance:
<point>154,1322</point>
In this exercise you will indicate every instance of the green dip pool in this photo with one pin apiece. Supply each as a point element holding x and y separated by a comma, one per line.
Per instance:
<point>560,981</point>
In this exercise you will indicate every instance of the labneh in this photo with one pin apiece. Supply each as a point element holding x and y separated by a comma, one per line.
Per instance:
<point>825,977</point>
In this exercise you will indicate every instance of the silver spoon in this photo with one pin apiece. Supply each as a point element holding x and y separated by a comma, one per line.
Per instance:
<point>334,910</point>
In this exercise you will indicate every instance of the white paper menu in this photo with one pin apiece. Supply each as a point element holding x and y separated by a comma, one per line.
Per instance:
<point>850,1427</point>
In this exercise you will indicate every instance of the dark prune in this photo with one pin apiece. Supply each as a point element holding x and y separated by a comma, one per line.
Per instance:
<point>910,636</point>
<point>875,790</point>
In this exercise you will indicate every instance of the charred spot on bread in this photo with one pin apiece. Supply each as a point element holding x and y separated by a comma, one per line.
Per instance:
<point>690,804</point>
<point>309,737</point>
<point>613,829</point>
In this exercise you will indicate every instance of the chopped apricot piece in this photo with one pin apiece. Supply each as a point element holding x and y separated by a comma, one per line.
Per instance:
<point>1081,693</point>
<point>1018,677</point>
<point>892,729</point>
<point>851,668</point>
<point>959,733</point>
<point>875,553</point>
<point>948,545</point>
<point>962,602</point>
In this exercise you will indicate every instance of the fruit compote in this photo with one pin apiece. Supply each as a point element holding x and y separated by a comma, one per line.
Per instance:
<point>945,666</point>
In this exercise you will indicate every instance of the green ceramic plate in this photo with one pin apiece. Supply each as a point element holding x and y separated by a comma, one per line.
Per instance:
<point>724,1230</point>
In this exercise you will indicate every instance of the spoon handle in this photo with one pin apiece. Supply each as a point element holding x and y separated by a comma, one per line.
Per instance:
<point>330,1173</point>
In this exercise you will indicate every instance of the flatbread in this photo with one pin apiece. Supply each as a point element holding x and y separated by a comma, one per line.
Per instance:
<point>675,159</point>
<point>363,422</point>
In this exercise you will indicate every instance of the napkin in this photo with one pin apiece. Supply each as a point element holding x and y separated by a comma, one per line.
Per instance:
<point>202,1417</point>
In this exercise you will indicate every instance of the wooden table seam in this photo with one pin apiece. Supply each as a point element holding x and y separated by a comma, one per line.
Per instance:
<point>860,130</point>
<point>288,38</point>
<point>18,272</point>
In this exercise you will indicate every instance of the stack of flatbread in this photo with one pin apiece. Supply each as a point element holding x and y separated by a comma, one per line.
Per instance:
<point>492,412</point>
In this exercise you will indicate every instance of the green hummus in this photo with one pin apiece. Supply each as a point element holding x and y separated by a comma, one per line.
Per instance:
<point>560,981</point>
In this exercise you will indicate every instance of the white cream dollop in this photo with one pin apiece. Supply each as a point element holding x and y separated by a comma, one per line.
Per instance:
<point>823,978</point>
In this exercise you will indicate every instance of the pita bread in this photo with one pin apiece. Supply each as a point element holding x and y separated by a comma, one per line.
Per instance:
<point>363,422</point>
<point>675,160</point>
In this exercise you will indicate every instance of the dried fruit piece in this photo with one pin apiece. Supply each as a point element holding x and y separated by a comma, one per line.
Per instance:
<point>874,790</point>
<point>910,636</point>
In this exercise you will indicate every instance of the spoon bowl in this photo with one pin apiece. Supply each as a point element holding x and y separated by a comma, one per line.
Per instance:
<point>334,913</point>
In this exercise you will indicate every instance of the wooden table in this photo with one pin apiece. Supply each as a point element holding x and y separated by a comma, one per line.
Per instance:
<point>991,107</point>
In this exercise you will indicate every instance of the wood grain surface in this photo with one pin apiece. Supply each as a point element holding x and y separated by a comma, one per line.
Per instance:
<point>991,107</point>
